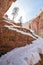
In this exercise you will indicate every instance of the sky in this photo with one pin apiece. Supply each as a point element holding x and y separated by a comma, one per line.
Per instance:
<point>28,9</point>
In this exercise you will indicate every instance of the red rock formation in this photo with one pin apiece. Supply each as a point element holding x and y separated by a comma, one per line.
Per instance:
<point>37,24</point>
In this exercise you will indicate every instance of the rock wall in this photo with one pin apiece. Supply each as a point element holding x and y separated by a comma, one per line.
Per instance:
<point>37,24</point>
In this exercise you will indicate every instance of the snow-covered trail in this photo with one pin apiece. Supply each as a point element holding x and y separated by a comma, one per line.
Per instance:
<point>26,55</point>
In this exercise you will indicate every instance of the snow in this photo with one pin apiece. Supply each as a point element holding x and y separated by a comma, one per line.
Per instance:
<point>13,25</point>
<point>25,55</point>
<point>22,32</point>
<point>10,22</point>
<point>34,33</point>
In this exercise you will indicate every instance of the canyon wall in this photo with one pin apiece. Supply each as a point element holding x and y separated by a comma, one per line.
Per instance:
<point>37,24</point>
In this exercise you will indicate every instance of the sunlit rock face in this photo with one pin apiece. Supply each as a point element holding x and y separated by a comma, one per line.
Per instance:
<point>4,6</point>
<point>37,24</point>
